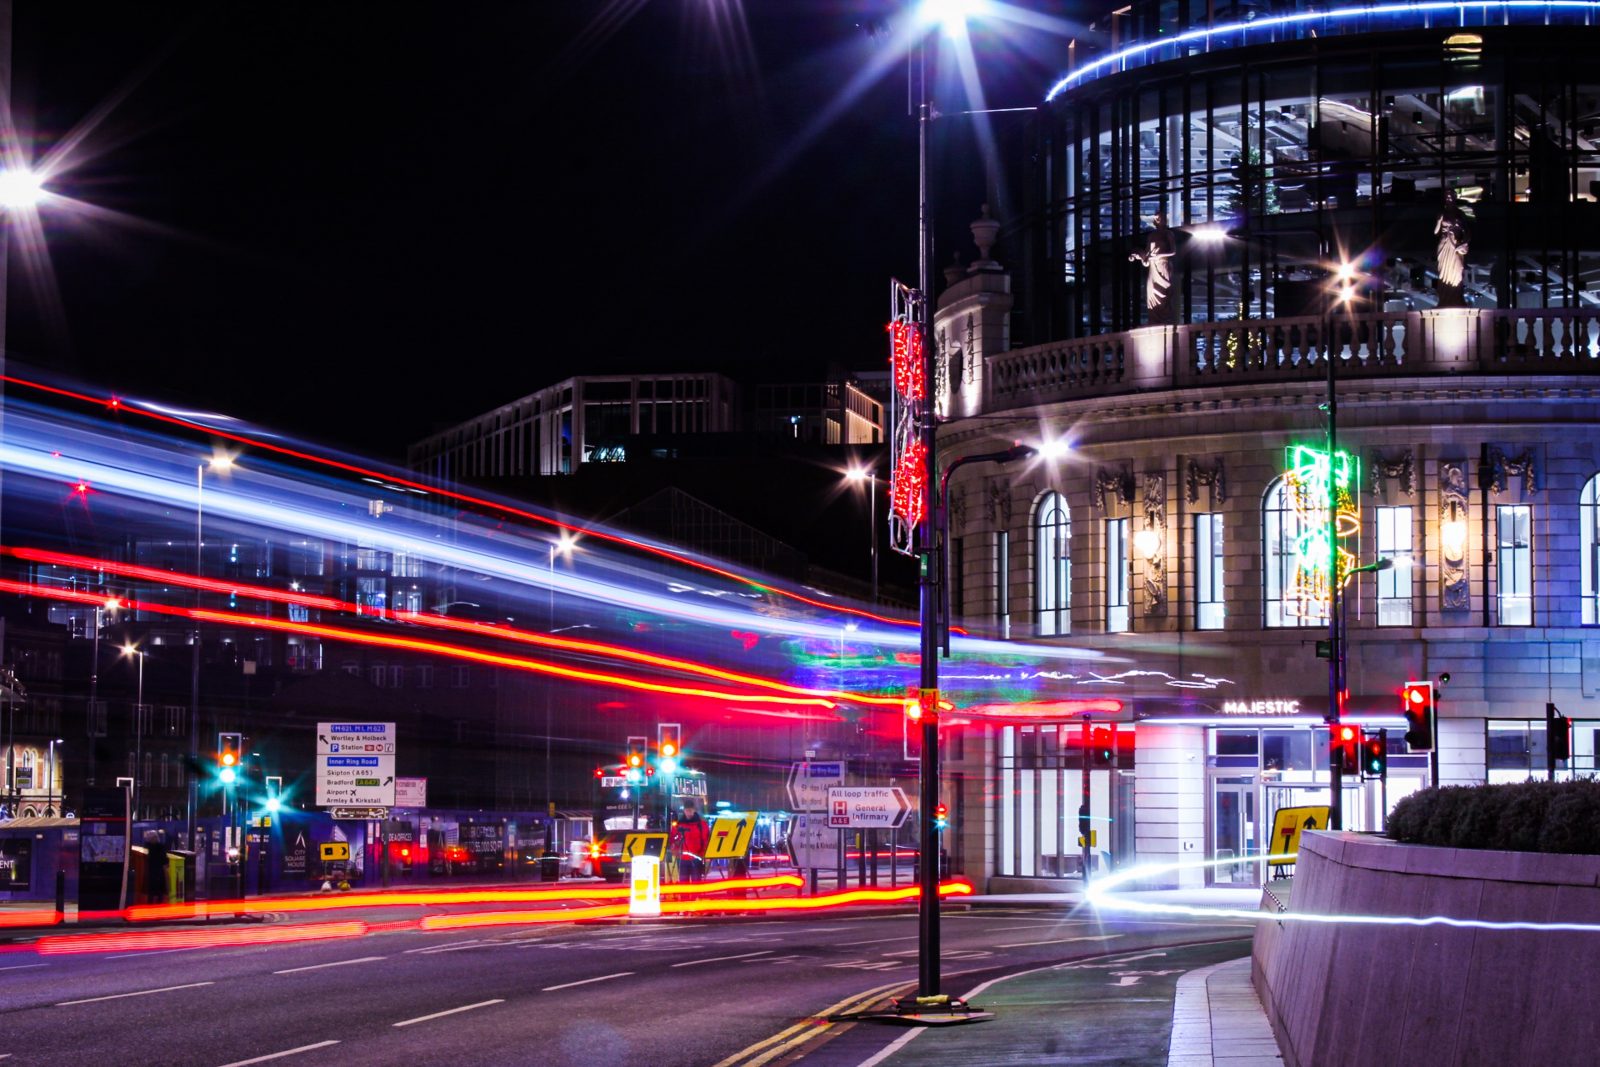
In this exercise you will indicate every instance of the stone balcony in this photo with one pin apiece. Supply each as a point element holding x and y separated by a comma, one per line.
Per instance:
<point>1446,342</point>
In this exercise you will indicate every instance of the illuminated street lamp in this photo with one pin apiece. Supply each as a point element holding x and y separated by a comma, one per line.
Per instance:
<point>222,463</point>
<point>21,189</point>
<point>859,475</point>
<point>563,546</point>
<point>131,650</point>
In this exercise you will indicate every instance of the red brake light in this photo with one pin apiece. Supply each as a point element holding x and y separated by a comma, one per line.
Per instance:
<point>594,851</point>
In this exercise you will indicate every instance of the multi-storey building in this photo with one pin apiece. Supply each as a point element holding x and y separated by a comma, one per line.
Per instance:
<point>1221,206</point>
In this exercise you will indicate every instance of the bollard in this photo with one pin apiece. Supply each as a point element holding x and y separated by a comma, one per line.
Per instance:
<point>61,895</point>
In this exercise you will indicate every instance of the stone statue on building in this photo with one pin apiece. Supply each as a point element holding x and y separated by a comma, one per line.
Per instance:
<point>1454,232</point>
<point>1159,299</point>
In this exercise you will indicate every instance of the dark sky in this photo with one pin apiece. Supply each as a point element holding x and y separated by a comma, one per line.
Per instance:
<point>363,222</point>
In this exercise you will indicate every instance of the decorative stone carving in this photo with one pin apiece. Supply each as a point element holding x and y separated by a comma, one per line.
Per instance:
<point>1000,503</point>
<point>1155,560</point>
<point>1119,483</point>
<point>1403,468</point>
<point>958,511</point>
<point>1213,479</point>
<point>1453,590</point>
<point>1522,465</point>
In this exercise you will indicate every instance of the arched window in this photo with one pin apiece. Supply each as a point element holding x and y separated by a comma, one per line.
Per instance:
<point>1052,545</point>
<point>1589,563</point>
<point>1280,529</point>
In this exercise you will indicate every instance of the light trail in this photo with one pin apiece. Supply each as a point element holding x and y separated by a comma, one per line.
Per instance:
<point>1103,896</point>
<point>336,633</point>
<point>497,631</point>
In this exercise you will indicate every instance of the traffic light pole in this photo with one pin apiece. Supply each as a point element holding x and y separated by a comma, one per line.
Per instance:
<point>1335,645</point>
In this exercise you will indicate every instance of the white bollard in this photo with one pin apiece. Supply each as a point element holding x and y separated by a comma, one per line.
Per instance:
<point>644,892</point>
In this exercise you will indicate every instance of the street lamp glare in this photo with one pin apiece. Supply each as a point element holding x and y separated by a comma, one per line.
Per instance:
<point>20,188</point>
<point>950,16</point>
<point>1054,449</point>
<point>856,474</point>
<point>129,649</point>
<point>565,543</point>
<point>222,463</point>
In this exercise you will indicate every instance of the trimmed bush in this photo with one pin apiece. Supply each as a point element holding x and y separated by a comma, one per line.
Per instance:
<point>1526,817</point>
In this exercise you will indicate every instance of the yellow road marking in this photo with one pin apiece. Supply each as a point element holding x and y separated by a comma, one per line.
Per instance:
<point>804,1030</point>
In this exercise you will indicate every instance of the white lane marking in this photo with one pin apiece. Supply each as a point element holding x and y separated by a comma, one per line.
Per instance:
<point>335,963</point>
<point>452,1011</point>
<point>877,941</point>
<point>23,967</point>
<point>436,948</point>
<point>1061,941</point>
<point>280,1055</point>
<point>139,993</point>
<point>719,959</point>
<point>586,981</point>
<point>153,952</point>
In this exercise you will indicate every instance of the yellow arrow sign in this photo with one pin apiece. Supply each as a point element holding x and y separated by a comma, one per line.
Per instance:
<point>335,850</point>
<point>1288,824</point>
<point>643,844</point>
<point>731,834</point>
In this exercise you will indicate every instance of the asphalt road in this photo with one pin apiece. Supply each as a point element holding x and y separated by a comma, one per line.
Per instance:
<point>672,992</point>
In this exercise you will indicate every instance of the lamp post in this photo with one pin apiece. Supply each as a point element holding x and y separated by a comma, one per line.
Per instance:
<point>869,476</point>
<point>562,546</point>
<point>50,778</point>
<point>132,650</point>
<point>222,463</point>
<point>1343,295</point>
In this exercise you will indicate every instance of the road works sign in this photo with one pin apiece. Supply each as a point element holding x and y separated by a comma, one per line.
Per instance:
<point>355,764</point>
<point>809,784</point>
<point>879,807</point>
<point>643,844</point>
<point>731,834</point>
<point>1288,825</point>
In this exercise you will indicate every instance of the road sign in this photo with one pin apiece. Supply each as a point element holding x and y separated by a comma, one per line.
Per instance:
<point>410,792</point>
<point>643,844</point>
<point>809,784</point>
<point>813,842</point>
<point>882,807</point>
<point>359,813</point>
<point>355,764</point>
<point>334,850</point>
<point>731,833</point>
<point>1287,826</point>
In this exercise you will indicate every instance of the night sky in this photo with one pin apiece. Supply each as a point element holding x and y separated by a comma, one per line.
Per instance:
<point>361,223</point>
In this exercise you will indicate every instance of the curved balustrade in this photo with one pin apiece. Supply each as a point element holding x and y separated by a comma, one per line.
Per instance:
<point>1378,344</point>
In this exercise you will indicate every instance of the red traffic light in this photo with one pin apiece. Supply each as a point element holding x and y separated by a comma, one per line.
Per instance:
<point>1417,704</point>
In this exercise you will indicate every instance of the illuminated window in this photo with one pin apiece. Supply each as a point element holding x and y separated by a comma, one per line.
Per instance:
<point>1515,563</point>
<point>1117,616</point>
<point>1394,584</point>
<point>1280,529</point>
<point>1589,561</point>
<point>1053,571</point>
<point>1208,585</point>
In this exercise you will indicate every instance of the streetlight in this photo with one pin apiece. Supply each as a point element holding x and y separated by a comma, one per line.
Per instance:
<point>870,477</point>
<point>132,650</point>
<point>222,463</point>
<point>562,546</point>
<point>50,778</point>
<point>1344,296</point>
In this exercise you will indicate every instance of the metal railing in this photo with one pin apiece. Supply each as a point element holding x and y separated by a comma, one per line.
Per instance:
<point>1463,341</point>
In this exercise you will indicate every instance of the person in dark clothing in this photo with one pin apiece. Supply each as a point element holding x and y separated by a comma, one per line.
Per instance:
<point>690,837</point>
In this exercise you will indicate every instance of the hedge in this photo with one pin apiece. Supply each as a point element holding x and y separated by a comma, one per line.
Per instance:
<point>1527,817</point>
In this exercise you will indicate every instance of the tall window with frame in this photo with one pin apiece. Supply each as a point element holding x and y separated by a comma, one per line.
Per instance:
<point>1118,617</point>
<point>1280,531</point>
<point>1394,584</point>
<point>1589,560</point>
<point>1514,561</point>
<point>1208,585</point>
<point>1053,565</point>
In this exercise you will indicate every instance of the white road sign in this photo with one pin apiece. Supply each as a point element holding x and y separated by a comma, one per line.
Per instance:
<point>355,764</point>
<point>882,807</point>
<point>410,792</point>
<point>809,784</point>
<point>813,842</point>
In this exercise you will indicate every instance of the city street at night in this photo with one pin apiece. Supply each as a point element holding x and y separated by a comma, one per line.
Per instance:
<point>675,992</point>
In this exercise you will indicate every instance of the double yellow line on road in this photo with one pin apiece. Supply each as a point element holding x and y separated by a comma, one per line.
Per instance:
<point>807,1029</point>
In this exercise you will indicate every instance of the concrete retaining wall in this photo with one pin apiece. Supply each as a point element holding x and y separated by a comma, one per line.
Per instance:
<point>1369,994</point>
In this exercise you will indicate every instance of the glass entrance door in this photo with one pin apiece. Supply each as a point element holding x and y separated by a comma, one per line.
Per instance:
<point>1235,831</point>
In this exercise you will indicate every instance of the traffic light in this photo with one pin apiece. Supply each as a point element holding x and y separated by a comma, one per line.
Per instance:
<point>230,747</point>
<point>1344,751</point>
<point>668,741</point>
<point>1558,734</point>
<point>1375,756</point>
<point>941,817</point>
<point>635,759</point>
<point>1102,746</point>
<point>1416,700</point>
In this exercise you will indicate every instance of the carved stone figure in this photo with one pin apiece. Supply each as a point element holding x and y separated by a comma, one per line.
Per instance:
<point>1159,299</point>
<point>1451,259</point>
